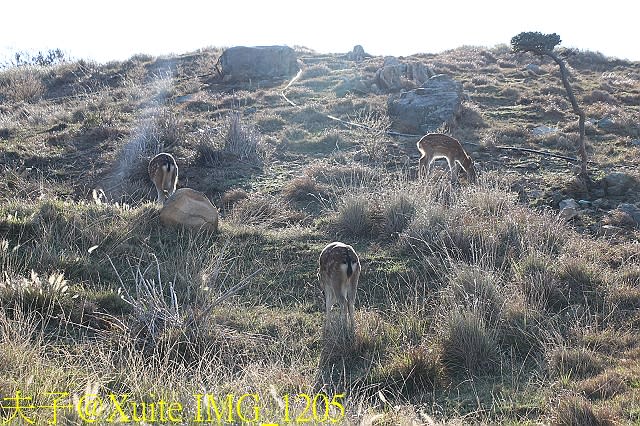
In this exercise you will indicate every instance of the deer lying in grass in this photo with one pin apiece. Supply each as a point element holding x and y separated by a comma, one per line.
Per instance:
<point>190,208</point>
<point>439,145</point>
<point>338,275</point>
<point>163,172</point>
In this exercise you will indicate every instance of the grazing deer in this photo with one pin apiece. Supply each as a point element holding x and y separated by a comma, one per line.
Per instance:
<point>338,275</point>
<point>439,145</point>
<point>163,172</point>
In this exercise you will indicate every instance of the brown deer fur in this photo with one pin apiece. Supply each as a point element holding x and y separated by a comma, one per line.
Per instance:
<point>191,208</point>
<point>438,145</point>
<point>163,172</point>
<point>338,275</point>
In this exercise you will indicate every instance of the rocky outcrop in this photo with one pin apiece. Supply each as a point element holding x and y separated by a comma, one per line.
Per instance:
<point>242,63</point>
<point>357,54</point>
<point>190,208</point>
<point>394,75</point>
<point>425,109</point>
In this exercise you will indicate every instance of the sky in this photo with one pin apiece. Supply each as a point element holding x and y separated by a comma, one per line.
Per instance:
<point>104,31</point>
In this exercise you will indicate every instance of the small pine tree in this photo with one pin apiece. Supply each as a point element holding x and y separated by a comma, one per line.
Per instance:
<point>543,45</point>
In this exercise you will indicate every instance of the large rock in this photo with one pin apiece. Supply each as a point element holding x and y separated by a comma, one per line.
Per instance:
<point>618,183</point>
<point>427,108</point>
<point>243,63</point>
<point>190,208</point>
<point>395,75</point>
<point>357,54</point>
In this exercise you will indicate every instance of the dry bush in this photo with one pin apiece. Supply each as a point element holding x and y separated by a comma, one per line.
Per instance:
<point>411,372</point>
<point>264,211</point>
<point>23,84</point>
<point>476,289</point>
<point>605,385</point>
<point>351,176</point>
<point>397,211</point>
<point>598,95</point>
<point>243,140</point>
<point>573,362</point>
<point>355,217</point>
<point>582,282</point>
<point>575,410</point>
<point>315,71</point>
<point>467,345</point>
<point>232,197</point>
<point>305,189</point>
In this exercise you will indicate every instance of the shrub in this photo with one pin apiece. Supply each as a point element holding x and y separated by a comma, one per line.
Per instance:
<point>474,288</point>
<point>354,217</point>
<point>410,372</point>
<point>304,189</point>
<point>397,212</point>
<point>604,386</point>
<point>232,197</point>
<point>467,345</point>
<point>264,211</point>
<point>243,140</point>
<point>575,410</point>
<point>21,85</point>
<point>573,362</point>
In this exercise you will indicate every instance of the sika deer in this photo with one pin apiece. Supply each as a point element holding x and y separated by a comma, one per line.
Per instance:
<point>338,275</point>
<point>163,172</point>
<point>439,145</point>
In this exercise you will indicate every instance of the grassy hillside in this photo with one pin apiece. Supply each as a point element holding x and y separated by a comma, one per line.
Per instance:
<point>477,304</point>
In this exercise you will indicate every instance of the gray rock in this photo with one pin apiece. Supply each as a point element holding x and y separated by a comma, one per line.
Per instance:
<point>534,68</point>
<point>427,108</point>
<point>357,54</point>
<point>635,142</point>
<point>632,210</point>
<point>568,213</point>
<point>605,123</point>
<point>242,63</point>
<point>568,209</point>
<point>568,203</point>
<point>543,130</point>
<point>618,183</point>
<point>390,77</point>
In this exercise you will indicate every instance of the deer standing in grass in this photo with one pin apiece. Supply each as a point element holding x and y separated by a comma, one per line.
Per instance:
<point>163,172</point>
<point>338,275</point>
<point>439,145</point>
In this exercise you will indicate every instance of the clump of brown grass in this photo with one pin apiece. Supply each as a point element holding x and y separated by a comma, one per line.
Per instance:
<point>305,189</point>
<point>243,140</point>
<point>232,197</point>
<point>21,84</point>
<point>264,211</point>
<point>574,410</point>
<point>605,385</point>
<point>410,372</point>
<point>398,210</point>
<point>467,345</point>
<point>355,217</point>
<point>564,361</point>
<point>477,289</point>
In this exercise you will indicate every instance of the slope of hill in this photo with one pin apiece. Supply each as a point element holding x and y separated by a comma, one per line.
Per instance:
<point>476,302</point>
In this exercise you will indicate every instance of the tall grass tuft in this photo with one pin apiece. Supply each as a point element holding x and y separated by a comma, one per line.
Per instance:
<point>467,345</point>
<point>355,217</point>
<point>243,140</point>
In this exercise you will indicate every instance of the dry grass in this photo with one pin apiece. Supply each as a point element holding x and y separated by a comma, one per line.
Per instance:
<point>474,306</point>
